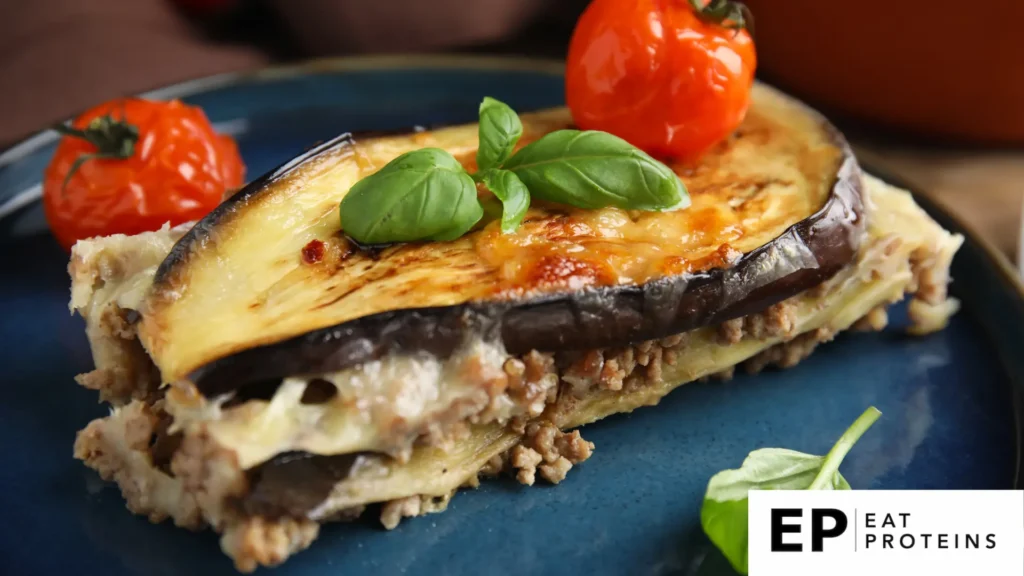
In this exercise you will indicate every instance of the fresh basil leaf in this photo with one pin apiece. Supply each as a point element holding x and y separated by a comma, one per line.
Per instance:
<point>596,169</point>
<point>421,195</point>
<point>514,196</point>
<point>725,523</point>
<point>766,469</point>
<point>500,129</point>
<point>724,513</point>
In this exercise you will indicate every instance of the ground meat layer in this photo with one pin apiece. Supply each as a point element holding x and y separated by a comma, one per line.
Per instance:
<point>119,448</point>
<point>549,451</point>
<point>202,484</point>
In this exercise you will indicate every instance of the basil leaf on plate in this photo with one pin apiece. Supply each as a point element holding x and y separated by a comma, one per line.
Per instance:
<point>421,195</point>
<point>500,129</point>
<point>724,513</point>
<point>514,196</point>
<point>595,169</point>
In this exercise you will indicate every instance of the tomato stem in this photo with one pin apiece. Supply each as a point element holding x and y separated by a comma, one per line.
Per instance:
<point>113,138</point>
<point>732,15</point>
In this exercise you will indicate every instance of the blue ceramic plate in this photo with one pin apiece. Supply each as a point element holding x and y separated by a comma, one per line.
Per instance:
<point>951,400</point>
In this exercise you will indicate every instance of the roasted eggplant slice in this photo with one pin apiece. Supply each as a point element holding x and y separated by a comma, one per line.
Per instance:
<point>776,210</point>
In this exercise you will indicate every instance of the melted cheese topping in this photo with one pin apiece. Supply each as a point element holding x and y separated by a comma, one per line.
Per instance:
<point>740,201</point>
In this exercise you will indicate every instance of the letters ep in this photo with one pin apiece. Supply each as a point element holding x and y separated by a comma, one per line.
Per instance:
<point>780,527</point>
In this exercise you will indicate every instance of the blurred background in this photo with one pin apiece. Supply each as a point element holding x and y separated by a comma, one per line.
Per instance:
<point>931,89</point>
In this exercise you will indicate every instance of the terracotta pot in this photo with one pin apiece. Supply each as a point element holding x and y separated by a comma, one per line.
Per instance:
<point>949,68</point>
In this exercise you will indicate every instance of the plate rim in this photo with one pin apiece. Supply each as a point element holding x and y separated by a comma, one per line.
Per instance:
<point>870,162</point>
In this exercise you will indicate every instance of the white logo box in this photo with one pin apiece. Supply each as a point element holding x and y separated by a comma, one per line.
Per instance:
<point>900,532</point>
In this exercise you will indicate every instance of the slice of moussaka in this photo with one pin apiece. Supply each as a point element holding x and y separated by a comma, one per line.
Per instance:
<point>269,375</point>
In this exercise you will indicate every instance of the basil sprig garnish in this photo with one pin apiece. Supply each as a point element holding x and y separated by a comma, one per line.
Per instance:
<point>724,514</point>
<point>427,195</point>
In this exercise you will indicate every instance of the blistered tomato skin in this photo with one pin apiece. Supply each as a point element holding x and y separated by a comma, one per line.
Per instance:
<point>179,171</point>
<point>655,74</point>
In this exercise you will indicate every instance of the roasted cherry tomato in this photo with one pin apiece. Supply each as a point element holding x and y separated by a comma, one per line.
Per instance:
<point>132,165</point>
<point>672,77</point>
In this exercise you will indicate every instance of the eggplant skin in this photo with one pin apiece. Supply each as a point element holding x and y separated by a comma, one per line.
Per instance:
<point>608,314</point>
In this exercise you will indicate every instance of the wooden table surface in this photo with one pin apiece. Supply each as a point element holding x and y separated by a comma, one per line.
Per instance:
<point>985,188</point>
